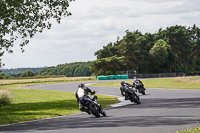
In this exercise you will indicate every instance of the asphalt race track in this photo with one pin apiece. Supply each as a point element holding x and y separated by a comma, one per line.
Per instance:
<point>161,111</point>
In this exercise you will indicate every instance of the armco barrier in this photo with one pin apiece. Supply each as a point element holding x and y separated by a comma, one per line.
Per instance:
<point>111,77</point>
<point>155,75</point>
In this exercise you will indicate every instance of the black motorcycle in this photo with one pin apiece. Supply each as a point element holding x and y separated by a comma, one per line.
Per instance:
<point>139,86</point>
<point>93,106</point>
<point>131,94</point>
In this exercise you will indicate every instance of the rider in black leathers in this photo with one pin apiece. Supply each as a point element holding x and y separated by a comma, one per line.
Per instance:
<point>84,91</point>
<point>136,81</point>
<point>123,89</point>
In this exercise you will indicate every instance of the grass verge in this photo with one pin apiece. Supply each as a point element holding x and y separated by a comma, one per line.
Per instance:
<point>194,130</point>
<point>33,104</point>
<point>165,83</point>
<point>45,80</point>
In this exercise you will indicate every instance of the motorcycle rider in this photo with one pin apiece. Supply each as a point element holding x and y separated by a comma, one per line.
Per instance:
<point>136,82</point>
<point>123,89</point>
<point>84,91</point>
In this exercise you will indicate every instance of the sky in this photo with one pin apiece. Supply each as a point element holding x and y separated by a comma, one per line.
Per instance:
<point>94,24</point>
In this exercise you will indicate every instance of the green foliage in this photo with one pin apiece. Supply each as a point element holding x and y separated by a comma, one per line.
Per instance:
<point>161,52</point>
<point>17,71</point>
<point>107,51</point>
<point>5,97</point>
<point>107,66</point>
<point>174,49</point>
<point>6,77</point>
<point>27,74</point>
<point>22,19</point>
<point>2,75</point>
<point>70,70</point>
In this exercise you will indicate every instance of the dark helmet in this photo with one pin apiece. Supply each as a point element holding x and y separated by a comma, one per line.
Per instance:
<point>122,83</point>
<point>81,85</point>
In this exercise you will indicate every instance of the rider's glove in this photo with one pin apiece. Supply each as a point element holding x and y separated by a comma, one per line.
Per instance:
<point>93,92</point>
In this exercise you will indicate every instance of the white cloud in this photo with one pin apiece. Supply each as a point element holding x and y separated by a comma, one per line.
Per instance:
<point>95,23</point>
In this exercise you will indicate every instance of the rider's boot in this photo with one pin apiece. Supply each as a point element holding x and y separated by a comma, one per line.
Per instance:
<point>126,97</point>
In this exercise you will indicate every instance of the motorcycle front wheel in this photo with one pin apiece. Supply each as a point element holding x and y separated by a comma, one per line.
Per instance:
<point>142,90</point>
<point>93,109</point>
<point>102,111</point>
<point>135,98</point>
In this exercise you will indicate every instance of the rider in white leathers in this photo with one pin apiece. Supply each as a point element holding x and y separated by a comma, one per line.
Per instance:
<point>82,92</point>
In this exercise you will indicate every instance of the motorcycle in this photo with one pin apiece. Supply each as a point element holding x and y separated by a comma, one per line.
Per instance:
<point>93,106</point>
<point>131,94</point>
<point>139,86</point>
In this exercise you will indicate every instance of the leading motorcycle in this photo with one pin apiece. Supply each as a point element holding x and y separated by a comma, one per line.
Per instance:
<point>139,86</point>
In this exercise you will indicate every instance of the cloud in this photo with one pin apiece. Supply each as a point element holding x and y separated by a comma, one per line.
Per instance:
<point>94,24</point>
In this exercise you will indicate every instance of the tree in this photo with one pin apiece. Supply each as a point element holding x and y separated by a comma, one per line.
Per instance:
<point>107,51</point>
<point>194,56</point>
<point>127,49</point>
<point>22,19</point>
<point>141,49</point>
<point>178,38</point>
<point>27,74</point>
<point>69,69</point>
<point>161,53</point>
<point>108,65</point>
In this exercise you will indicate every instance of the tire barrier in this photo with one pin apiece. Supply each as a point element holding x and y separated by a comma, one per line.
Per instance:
<point>112,77</point>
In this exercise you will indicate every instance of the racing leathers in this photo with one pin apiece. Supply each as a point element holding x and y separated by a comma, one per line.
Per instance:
<point>137,84</point>
<point>124,88</point>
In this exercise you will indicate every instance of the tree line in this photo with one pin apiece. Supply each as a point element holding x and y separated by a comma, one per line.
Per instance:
<point>68,69</point>
<point>17,71</point>
<point>174,49</point>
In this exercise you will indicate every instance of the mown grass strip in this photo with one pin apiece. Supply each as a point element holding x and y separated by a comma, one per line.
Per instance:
<point>32,104</point>
<point>165,83</point>
<point>45,80</point>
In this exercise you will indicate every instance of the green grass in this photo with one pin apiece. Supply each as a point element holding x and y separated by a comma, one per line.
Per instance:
<point>45,80</point>
<point>165,83</point>
<point>194,130</point>
<point>5,97</point>
<point>32,104</point>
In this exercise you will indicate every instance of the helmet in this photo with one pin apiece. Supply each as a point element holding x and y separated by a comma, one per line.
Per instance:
<point>81,85</point>
<point>122,83</point>
<point>134,78</point>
